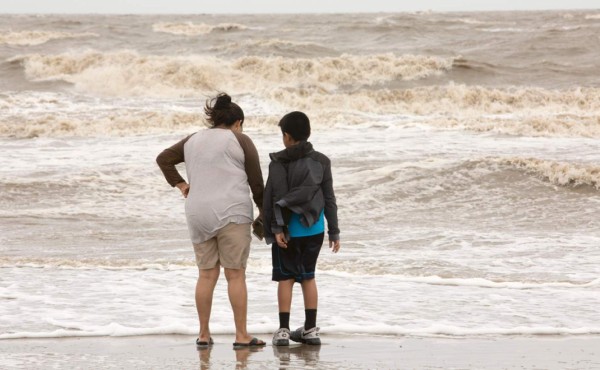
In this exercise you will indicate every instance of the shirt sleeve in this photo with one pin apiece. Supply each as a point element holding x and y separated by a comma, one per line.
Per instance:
<point>253,171</point>
<point>167,160</point>
<point>330,203</point>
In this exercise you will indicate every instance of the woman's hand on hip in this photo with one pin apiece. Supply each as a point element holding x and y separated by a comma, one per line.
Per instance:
<point>184,187</point>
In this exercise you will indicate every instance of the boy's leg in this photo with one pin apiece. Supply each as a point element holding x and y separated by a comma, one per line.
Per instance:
<point>310,293</point>
<point>284,298</point>
<point>311,300</point>
<point>311,247</point>
<point>205,287</point>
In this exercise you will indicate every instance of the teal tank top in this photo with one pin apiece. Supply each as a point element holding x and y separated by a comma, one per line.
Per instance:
<point>296,229</point>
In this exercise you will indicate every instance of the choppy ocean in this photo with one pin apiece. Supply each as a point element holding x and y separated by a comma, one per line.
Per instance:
<point>465,150</point>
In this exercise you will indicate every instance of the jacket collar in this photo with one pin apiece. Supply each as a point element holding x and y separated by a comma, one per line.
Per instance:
<point>300,150</point>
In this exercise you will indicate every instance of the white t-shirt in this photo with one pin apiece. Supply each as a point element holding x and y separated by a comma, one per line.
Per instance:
<point>219,192</point>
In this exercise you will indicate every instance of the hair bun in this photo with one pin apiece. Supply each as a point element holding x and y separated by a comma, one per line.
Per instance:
<point>223,101</point>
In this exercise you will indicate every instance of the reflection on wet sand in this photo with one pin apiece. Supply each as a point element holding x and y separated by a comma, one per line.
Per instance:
<point>296,355</point>
<point>241,358</point>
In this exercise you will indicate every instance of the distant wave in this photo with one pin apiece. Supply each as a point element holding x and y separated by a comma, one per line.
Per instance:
<point>30,38</point>
<point>129,73</point>
<point>274,45</point>
<point>191,29</point>
<point>504,29</point>
<point>559,173</point>
<point>593,16</point>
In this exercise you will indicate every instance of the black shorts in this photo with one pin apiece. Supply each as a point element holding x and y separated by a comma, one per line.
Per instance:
<point>298,260</point>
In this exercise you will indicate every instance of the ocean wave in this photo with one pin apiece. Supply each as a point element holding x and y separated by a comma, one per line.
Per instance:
<point>93,264</point>
<point>457,331</point>
<point>562,125</point>
<point>504,29</point>
<point>463,100</point>
<point>259,267</point>
<point>485,283</point>
<point>110,330</point>
<point>127,73</point>
<point>191,29</point>
<point>515,111</point>
<point>559,173</point>
<point>274,45</point>
<point>117,123</point>
<point>592,17</point>
<point>519,111</point>
<point>31,38</point>
<point>119,330</point>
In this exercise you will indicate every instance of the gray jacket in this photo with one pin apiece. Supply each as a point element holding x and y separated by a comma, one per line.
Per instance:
<point>299,181</point>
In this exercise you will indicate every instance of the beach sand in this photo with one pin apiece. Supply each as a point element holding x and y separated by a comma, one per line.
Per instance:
<point>337,352</point>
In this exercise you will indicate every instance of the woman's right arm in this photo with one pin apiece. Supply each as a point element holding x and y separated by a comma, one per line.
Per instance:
<point>167,160</point>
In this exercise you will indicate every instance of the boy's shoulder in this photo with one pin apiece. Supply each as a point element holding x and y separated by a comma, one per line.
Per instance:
<point>318,156</point>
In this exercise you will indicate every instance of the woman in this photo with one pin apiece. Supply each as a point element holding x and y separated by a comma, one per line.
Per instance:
<point>221,162</point>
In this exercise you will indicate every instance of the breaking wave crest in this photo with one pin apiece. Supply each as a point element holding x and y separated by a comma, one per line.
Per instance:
<point>559,173</point>
<point>455,100</point>
<point>118,123</point>
<point>127,73</point>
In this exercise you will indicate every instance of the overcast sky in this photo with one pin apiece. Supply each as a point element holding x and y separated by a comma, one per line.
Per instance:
<point>281,6</point>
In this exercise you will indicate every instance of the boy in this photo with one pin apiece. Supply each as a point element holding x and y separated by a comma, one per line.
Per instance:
<point>298,197</point>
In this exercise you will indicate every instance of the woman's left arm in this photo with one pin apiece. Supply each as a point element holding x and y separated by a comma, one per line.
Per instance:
<point>253,171</point>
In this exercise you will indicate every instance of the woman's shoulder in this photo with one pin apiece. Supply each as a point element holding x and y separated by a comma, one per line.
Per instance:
<point>243,139</point>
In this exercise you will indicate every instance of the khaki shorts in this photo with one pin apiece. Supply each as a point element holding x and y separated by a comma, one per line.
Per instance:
<point>229,248</point>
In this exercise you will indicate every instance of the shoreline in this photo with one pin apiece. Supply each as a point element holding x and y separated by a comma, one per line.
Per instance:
<point>336,352</point>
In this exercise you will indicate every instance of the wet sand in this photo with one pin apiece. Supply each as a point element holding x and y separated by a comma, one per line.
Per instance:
<point>337,352</point>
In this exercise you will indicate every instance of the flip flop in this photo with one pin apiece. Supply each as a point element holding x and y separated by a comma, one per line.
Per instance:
<point>255,342</point>
<point>202,344</point>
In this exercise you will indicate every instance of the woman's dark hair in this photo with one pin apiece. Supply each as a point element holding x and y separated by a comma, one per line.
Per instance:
<point>296,124</point>
<point>221,111</point>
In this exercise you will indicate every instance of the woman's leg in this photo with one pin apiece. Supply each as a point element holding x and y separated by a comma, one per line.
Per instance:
<point>205,287</point>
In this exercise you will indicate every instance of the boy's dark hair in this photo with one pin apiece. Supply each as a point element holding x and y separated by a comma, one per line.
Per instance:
<point>222,111</point>
<point>296,124</point>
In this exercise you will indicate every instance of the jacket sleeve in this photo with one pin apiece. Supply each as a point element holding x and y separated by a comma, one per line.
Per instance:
<point>279,187</point>
<point>167,160</point>
<point>330,203</point>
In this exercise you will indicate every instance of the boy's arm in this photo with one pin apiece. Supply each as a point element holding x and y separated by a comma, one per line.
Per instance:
<point>167,160</point>
<point>279,187</point>
<point>269,221</point>
<point>330,204</point>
